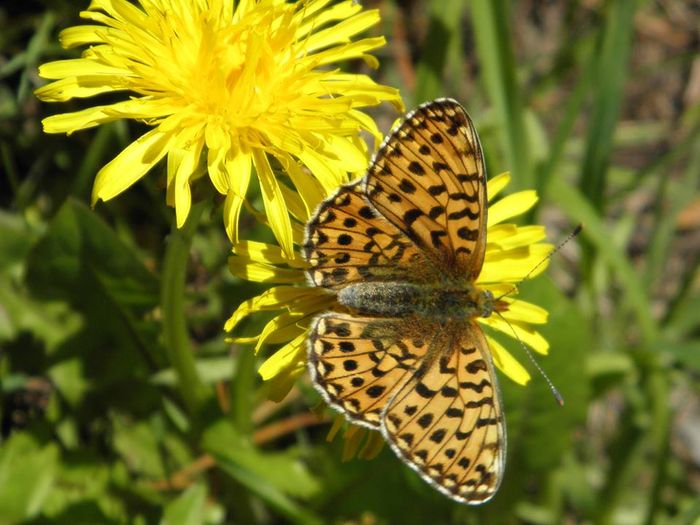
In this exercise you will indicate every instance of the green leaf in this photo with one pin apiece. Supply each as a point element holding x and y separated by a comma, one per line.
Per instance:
<point>81,260</point>
<point>16,238</point>
<point>683,319</point>
<point>272,476</point>
<point>70,378</point>
<point>52,322</point>
<point>537,418</point>
<point>27,475</point>
<point>210,369</point>
<point>188,508</point>
<point>89,489</point>
<point>685,352</point>
<point>139,446</point>
<point>79,244</point>
<point>608,370</point>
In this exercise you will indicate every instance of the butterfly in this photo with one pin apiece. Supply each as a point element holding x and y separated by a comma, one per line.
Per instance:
<point>402,248</point>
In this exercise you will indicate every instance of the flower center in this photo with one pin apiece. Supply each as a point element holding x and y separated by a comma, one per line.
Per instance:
<point>241,74</point>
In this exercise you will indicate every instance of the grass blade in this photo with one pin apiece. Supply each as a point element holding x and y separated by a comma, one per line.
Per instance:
<point>442,42</point>
<point>495,50</point>
<point>613,57</point>
<point>574,204</point>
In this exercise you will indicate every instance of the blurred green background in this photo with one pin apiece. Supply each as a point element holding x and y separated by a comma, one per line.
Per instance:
<point>594,103</point>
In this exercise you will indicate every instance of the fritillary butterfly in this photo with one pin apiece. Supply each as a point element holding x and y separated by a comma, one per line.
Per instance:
<point>402,248</point>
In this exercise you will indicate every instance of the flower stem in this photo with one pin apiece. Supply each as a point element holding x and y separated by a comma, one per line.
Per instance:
<point>172,300</point>
<point>658,395</point>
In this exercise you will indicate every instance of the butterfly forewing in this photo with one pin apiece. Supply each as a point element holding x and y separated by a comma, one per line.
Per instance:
<point>446,422</point>
<point>347,241</point>
<point>428,178</point>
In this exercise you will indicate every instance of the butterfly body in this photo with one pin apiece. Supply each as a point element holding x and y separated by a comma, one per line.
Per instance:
<point>403,353</point>
<point>391,299</point>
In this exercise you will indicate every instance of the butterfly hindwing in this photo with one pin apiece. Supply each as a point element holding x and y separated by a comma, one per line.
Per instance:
<point>357,363</point>
<point>447,423</point>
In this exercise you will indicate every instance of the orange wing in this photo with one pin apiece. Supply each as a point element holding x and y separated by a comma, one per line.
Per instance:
<point>348,241</point>
<point>359,363</point>
<point>418,216</point>
<point>447,422</point>
<point>428,179</point>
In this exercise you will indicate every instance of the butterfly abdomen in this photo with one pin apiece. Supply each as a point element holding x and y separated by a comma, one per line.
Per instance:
<point>393,299</point>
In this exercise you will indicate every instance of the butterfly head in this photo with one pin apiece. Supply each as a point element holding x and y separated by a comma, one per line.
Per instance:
<point>486,304</point>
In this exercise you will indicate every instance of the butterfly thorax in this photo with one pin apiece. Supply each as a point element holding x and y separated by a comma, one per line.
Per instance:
<point>394,299</point>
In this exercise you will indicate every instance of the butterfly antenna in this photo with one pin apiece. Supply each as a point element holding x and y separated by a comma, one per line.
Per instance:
<point>552,388</point>
<point>557,396</point>
<point>573,234</point>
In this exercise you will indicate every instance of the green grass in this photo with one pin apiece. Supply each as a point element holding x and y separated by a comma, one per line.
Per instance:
<point>122,403</point>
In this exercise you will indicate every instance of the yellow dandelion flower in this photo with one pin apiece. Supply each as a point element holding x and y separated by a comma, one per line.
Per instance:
<point>511,252</point>
<point>250,84</point>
